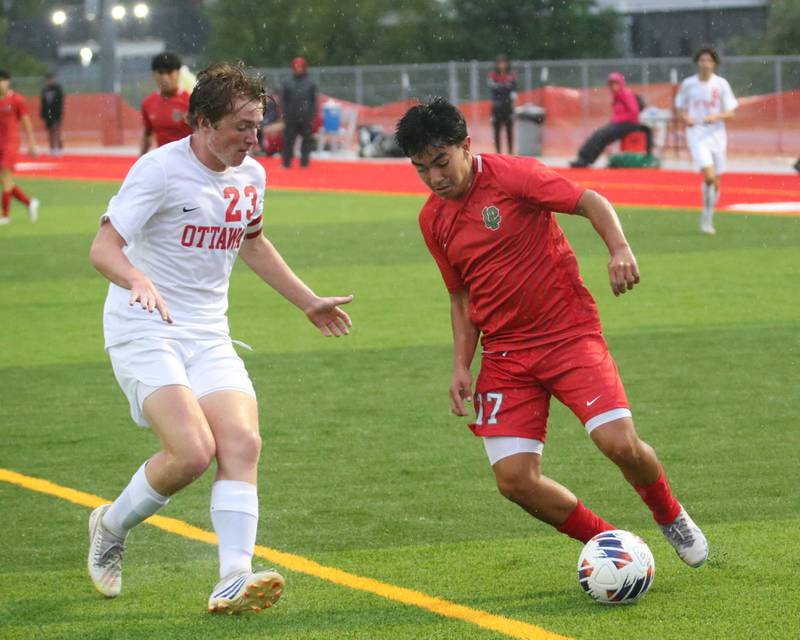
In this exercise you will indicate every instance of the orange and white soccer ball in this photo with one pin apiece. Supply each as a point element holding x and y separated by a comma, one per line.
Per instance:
<point>616,567</point>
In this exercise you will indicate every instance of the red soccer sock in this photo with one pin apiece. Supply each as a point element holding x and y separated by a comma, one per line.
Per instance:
<point>19,194</point>
<point>583,524</point>
<point>658,497</point>
<point>6,203</point>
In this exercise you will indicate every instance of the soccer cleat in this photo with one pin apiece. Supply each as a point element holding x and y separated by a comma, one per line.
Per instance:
<point>33,209</point>
<point>105,556</point>
<point>689,542</point>
<point>5,220</point>
<point>246,591</point>
<point>707,224</point>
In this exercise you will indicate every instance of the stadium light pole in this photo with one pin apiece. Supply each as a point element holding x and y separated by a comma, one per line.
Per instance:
<point>108,47</point>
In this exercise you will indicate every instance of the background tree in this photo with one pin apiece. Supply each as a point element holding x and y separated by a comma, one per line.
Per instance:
<point>385,32</point>
<point>15,60</point>
<point>783,28</point>
<point>534,29</point>
<point>782,34</point>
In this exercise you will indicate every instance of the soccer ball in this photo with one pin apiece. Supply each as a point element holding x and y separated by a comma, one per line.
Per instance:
<point>616,567</point>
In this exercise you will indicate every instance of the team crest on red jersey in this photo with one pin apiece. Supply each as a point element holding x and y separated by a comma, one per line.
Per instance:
<point>492,218</point>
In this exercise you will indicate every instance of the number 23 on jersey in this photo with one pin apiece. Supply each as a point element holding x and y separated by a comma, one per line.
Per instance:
<point>232,195</point>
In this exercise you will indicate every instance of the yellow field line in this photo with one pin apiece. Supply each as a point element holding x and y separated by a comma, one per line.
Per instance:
<point>507,626</point>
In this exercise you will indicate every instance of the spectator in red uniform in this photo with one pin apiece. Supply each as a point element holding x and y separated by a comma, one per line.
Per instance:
<point>624,120</point>
<point>13,110</point>
<point>503,87</point>
<point>514,283</point>
<point>164,110</point>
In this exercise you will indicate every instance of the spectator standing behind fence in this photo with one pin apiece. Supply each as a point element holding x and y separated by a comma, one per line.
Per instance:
<point>164,110</point>
<point>624,120</point>
<point>704,102</point>
<point>51,110</point>
<point>299,106</point>
<point>12,112</point>
<point>503,88</point>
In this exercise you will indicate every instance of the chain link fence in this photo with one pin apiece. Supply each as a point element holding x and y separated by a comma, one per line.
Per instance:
<point>465,83</point>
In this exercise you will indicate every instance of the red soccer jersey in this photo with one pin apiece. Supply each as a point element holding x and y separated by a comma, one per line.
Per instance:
<point>165,116</point>
<point>12,108</point>
<point>502,244</point>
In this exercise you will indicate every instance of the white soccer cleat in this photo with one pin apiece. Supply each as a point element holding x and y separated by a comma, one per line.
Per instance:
<point>685,536</point>
<point>707,224</point>
<point>246,591</point>
<point>105,556</point>
<point>5,220</point>
<point>33,209</point>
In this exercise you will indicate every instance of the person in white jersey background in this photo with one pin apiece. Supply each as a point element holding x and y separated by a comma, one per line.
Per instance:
<point>167,243</point>
<point>704,102</point>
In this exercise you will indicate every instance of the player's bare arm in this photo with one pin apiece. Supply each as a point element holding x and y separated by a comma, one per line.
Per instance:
<point>107,257</point>
<point>465,340</point>
<point>323,312</point>
<point>719,117</point>
<point>26,124</point>
<point>146,142</point>
<point>623,272</point>
<point>684,116</point>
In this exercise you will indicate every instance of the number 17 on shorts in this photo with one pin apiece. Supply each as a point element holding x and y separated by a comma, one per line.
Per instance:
<point>488,407</point>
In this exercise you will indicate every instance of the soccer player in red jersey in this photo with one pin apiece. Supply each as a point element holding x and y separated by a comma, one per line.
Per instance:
<point>513,281</point>
<point>13,110</point>
<point>164,110</point>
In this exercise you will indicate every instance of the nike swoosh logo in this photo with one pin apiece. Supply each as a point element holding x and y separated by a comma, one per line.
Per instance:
<point>187,210</point>
<point>589,403</point>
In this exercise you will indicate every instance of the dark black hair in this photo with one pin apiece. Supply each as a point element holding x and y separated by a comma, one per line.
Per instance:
<point>4,75</point>
<point>706,49</point>
<point>165,62</point>
<point>435,123</point>
<point>218,86</point>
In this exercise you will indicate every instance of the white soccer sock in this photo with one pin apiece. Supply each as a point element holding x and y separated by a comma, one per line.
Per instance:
<point>234,514</point>
<point>136,503</point>
<point>709,199</point>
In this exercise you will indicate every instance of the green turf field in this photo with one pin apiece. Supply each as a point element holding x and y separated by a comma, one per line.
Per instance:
<point>363,467</point>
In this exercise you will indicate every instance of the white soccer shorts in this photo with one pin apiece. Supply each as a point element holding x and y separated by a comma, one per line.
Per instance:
<point>707,150</point>
<point>144,365</point>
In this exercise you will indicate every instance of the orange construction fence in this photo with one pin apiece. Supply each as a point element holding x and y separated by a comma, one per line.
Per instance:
<point>764,124</point>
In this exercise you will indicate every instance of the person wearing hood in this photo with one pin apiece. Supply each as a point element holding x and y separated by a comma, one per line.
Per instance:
<point>299,106</point>
<point>624,120</point>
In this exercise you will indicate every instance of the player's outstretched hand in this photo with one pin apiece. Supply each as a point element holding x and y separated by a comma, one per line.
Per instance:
<point>144,292</point>
<point>460,390</point>
<point>623,272</point>
<point>325,314</point>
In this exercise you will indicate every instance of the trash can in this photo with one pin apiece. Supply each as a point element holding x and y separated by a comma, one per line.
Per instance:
<point>530,121</point>
<point>331,116</point>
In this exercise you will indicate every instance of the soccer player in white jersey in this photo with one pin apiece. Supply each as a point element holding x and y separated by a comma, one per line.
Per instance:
<point>704,102</point>
<point>167,243</point>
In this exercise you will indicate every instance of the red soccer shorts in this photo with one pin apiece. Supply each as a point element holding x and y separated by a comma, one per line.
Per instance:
<point>512,396</point>
<point>8,156</point>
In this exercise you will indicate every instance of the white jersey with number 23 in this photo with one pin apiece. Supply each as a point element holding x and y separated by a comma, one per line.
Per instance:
<point>183,225</point>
